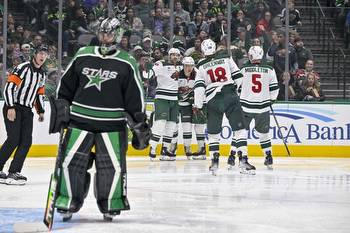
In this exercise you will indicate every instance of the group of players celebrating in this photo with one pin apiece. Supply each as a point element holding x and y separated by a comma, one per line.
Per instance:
<point>101,91</point>
<point>200,94</point>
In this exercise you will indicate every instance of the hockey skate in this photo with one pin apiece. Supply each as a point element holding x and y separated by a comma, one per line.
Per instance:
<point>245,166</point>
<point>3,177</point>
<point>108,217</point>
<point>152,156</point>
<point>16,179</point>
<point>214,163</point>
<point>200,155</point>
<point>167,156</point>
<point>65,214</point>
<point>268,160</point>
<point>231,160</point>
<point>188,152</point>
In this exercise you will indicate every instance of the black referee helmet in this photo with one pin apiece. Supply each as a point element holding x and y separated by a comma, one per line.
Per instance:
<point>41,47</point>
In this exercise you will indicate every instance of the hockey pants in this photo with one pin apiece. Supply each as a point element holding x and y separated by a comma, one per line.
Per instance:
<point>110,178</point>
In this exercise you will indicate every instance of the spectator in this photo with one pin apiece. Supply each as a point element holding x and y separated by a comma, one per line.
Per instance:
<point>147,44</point>
<point>311,89</point>
<point>120,10</point>
<point>77,26</point>
<point>137,52</point>
<point>303,54</point>
<point>216,8</point>
<point>257,12</point>
<point>180,28</point>
<point>133,24</point>
<point>159,22</point>
<point>25,49</point>
<point>264,25</point>
<point>278,52</point>
<point>240,21</point>
<point>124,43</point>
<point>184,15</point>
<point>101,9</point>
<point>195,52</point>
<point>215,29</point>
<point>142,10</point>
<point>197,25</point>
<point>204,8</point>
<point>294,16</point>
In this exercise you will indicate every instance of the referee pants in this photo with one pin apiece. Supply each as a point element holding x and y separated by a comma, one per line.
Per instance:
<point>19,135</point>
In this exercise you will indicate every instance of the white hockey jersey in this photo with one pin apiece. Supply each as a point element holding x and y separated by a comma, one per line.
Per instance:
<point>259,88</point>
<point>167,87</point>
<point>214,72</point>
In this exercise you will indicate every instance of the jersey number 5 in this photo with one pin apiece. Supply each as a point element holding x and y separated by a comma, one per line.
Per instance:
<point>218,75</point>
<point>256,87</point>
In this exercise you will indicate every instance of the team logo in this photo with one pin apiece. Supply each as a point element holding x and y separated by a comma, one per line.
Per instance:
<point>98,76</point>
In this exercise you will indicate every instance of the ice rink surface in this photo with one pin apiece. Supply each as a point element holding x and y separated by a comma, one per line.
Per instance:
<point>305,195</point>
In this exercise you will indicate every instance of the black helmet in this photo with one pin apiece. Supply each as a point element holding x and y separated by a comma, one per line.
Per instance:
<point>41,47</point>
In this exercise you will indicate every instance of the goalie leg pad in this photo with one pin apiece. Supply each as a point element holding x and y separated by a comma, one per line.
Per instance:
<point>74,177</point>
<point>110,162</point>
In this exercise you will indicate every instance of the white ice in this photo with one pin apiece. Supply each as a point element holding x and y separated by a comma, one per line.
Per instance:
<point>299,195</point>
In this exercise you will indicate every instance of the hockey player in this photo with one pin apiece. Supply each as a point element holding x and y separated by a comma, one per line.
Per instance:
<point>186,79</point>
<point>165,104</point>
<point>217,77</point>
<point>259,91</point>
<point>100,83</point>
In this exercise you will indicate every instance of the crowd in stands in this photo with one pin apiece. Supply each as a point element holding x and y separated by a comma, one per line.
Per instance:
<point>145,33</point>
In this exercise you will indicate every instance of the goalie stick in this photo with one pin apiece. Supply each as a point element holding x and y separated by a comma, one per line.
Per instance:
<point>54,186</point>
<point>279,130</point>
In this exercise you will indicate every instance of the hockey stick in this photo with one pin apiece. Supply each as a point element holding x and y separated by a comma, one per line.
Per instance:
<point>54,186</point>
<point>279,130</point>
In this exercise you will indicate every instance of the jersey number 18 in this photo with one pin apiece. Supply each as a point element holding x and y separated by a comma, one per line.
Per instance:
<point>218,75</point>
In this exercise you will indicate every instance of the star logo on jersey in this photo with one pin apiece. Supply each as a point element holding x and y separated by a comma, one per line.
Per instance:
<point>96,81</point>
<point>97,76</point>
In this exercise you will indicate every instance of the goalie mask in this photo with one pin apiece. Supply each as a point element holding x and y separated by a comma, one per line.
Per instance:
<point>255,53</point>
<point>107,34</point>
<point>208,47</point>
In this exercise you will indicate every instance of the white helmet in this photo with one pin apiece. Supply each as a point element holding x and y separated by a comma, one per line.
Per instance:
<point>174,51</point>
<point>255,53</point>
<point>208,47</point>
<point>188,61</point>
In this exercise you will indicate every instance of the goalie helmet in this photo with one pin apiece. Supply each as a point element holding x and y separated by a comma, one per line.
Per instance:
<point>208,47</point>
<point>255,53</point>
<point>110,27</point>
<point>188,61</point>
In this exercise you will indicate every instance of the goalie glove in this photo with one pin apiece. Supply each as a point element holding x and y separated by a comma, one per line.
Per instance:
<point>141,133</point>
<point>60,114</point>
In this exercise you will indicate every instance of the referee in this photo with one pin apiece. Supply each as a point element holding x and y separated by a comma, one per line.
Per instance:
<point>23,91</point>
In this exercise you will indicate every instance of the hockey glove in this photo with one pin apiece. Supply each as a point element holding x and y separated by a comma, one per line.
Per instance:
<point>141,133</point>
<point>59,114</point>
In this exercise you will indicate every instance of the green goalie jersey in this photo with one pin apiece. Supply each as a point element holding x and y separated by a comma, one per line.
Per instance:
<point>100,88</point>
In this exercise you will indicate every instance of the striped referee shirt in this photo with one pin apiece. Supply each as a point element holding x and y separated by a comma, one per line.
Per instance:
<point>25,86</point>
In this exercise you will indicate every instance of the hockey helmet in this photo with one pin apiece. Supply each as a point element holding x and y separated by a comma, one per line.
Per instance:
<point>188,61</point>
<point>208,47</point>
<point>40,48</point>
<point>174,51</point>
<point>255,53</point>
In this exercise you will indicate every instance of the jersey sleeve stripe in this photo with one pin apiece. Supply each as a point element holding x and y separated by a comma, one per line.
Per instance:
<point>15,79</point>
<point>237,76</point>
<point>273,88</point>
